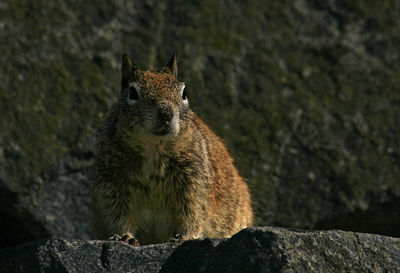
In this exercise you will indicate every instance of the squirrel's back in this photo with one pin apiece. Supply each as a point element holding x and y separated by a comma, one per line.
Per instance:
<point>160,171</point>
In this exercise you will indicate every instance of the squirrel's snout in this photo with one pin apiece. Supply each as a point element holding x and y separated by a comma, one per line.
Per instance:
<point>165,115</point>
<point>165,124</point>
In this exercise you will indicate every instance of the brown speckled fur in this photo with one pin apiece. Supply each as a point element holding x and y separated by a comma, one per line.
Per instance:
<point>153,186</point>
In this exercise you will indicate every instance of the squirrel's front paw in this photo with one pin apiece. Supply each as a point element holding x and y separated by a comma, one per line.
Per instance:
<point>126,238</point>
<point>177,239</point>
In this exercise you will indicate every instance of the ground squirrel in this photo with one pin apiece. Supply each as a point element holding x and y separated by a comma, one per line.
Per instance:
<point>160,171</point>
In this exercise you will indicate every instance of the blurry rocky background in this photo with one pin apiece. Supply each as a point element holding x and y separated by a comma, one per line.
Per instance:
<point>305,93</point>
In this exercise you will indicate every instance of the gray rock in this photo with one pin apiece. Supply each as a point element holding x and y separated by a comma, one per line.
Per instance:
<point>57,203</point>
<point>61,255</point>
<point>263,249</point>
<point>274,250</point>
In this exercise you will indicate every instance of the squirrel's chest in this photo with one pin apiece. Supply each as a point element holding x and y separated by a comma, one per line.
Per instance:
<point>153,166</point>
<point>156,212</point>
<point>155,215</point>
<point>156,208</point>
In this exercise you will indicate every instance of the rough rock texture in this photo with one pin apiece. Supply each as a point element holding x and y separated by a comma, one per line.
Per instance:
<point>305,93</point>
<point>263,249</point>
<point>61,255</point>
<point>268,249</point>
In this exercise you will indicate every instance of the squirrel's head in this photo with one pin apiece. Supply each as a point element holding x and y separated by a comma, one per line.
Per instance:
<point>152,102</point>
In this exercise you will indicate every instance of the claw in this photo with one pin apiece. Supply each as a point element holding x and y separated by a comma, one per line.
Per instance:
<point>133,242</point>
<point>115,237</point>
<point>126,238</point>
<point>177,239</point>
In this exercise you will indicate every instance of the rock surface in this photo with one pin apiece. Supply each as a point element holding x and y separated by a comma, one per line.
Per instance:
<point>262,249</point>
<point>61,255</point>
<point>274,250</point>
<point>305,93</point>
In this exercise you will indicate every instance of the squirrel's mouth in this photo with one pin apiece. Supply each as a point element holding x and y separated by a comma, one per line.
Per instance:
<point>163,129</point>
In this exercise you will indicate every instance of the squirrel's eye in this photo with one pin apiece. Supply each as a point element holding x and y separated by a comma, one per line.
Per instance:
<point>133,95</point>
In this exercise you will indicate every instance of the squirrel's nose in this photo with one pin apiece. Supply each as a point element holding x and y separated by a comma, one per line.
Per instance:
<point>165,114</point>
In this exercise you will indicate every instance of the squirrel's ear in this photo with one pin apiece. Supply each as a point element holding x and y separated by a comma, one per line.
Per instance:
<point>127,69</point>
<point>172,65</point>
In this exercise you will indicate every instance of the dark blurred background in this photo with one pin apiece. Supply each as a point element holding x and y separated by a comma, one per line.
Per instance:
<point>305,93</point>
